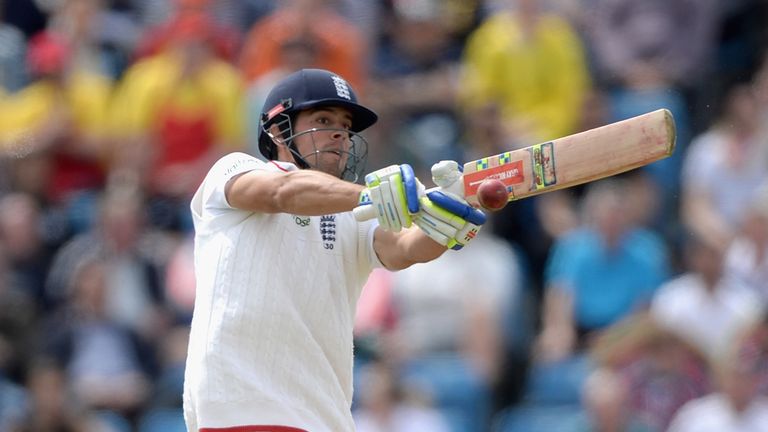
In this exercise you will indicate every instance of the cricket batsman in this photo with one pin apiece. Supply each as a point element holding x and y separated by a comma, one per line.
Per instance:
<point>280,261</point>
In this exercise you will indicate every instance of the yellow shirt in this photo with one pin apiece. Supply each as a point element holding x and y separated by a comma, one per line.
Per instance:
<point>542,78</point>
<point>155,84</point>
<point>86,96</point>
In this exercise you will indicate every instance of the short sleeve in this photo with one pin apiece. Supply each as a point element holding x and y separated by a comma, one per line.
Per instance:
<point>210,201</point>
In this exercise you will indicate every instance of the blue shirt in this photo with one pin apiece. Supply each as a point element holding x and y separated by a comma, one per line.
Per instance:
<point>605,284</point>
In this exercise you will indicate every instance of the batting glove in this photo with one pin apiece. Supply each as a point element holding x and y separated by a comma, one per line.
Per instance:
<point>394,193</point>
<point>448,219</point>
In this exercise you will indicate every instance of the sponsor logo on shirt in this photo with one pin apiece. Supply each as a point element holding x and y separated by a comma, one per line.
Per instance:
<point>301,221</point>
<point>236,165</point>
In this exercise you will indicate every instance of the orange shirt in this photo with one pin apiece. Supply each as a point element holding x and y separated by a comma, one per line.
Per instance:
<point>340,46</point>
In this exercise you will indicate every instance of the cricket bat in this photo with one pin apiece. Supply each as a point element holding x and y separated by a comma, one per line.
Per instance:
<point>564,162</point>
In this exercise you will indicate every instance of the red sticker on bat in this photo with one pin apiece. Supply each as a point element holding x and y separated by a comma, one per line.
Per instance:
<point>510,173</point>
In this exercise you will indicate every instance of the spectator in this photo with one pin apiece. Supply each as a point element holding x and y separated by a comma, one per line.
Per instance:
<point>340,45</point>
<point>738,405</point>
<point>598,273</point>
<point>117,32</point>
<point>174,113</point>
<point>106,366</point>
<point>134,293</point>
<point>415,83</point>
<point>29,257</point>
<point>55,126</point>
<point>738,52</point>
<point>531,65</point>
<point>724,167</point>
<point>524,80</point>
<point>50,407</point>
<point>79,24</point>
<point>224,40</point>
<point>702,306</point>
<point>643,375</point>
<point>169,385</point>
<point>446,317</point>
<point>385,406</point>
<point>644,63</point>
<point>449,331</point>
<point>236,15</point>
<point>294,54</point>
<point>746,259</point>
<point>639,44</point>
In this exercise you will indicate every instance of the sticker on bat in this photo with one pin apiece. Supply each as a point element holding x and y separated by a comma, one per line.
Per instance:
<point>510,173</point>
<point>543,165</point>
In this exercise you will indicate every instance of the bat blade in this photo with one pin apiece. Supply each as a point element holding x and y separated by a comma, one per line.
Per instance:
<point>575,159</point>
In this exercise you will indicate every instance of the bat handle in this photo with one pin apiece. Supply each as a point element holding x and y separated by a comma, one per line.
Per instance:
<point>448,176</point>
<point>364,212</point>
<point>445,174</point>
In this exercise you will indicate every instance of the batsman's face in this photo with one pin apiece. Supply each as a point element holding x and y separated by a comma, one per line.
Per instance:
<point>323,139</point>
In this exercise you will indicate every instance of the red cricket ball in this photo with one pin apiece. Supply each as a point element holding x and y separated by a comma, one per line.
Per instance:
<point>492,194</point>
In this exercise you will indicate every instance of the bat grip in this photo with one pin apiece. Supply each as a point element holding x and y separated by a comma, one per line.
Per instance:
<point>455,187</point>
<point>364,212</point>
<point>448,179</point>
<point>447,175</point>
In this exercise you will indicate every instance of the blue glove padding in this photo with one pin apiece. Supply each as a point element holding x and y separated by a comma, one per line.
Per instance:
<point>412,188</point>
<point>459,208</point>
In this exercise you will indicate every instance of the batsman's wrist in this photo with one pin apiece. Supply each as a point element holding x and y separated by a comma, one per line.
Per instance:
<point>364,197</point>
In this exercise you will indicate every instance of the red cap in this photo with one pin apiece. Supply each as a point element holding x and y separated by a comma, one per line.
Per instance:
<point>192,26</point>
<point>47,54</point>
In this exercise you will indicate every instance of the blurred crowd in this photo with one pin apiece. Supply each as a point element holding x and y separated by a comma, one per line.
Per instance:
<point>636,303</point>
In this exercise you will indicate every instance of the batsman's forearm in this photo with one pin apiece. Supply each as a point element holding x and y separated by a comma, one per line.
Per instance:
<point>304,192</point>
<point>312,193</point>
<point>403,249</point>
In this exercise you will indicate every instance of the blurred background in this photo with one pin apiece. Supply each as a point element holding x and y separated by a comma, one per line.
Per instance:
<point>635,303</point>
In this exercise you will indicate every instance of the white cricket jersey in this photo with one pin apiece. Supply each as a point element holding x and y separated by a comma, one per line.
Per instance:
<point>271,337</point>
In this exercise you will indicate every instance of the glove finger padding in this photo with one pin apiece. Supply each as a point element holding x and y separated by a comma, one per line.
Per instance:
<point>390,197</point>
<point>380,204</point>
<point>394,193</point>
<point>436,222</point>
